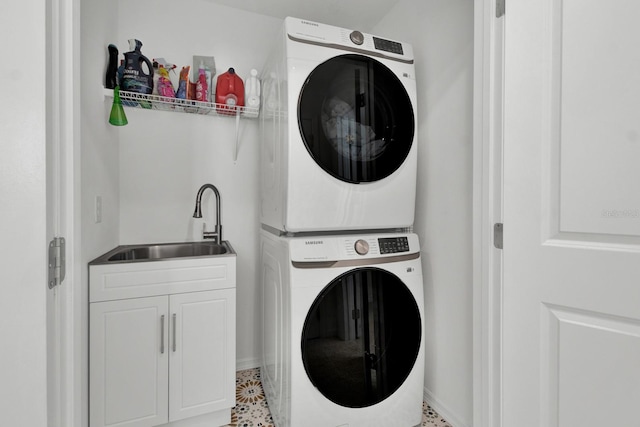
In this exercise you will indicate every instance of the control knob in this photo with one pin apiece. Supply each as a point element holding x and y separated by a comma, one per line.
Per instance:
<point>361,247</point>
<point>357,37</point>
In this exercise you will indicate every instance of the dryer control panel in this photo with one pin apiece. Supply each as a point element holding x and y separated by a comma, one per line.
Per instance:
<point>393,245</point>
<point>388,45</point>
<point>314,33</point>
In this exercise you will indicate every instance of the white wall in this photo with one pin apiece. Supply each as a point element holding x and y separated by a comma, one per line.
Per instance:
<point>99,148</point>
<point>165,157</point>
<point>23,362</point>
<point>441,33</point>
<point>99,145</point>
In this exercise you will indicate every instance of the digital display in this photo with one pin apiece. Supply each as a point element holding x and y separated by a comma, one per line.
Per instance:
<point>387,45</point>
<point>392,245</point>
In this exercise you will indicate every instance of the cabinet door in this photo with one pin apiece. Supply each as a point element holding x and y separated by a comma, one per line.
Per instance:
<point>128,374</point>
<point>202,365</point>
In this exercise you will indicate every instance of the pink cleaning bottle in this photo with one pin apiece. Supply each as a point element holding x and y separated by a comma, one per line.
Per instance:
<point>201,85</point>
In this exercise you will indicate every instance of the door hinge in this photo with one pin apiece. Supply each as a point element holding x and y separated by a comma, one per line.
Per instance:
<point>498,229</point>
<point>500,6</point>
<point>57,260</point>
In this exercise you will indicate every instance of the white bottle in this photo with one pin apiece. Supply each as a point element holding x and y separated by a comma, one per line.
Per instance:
<point>271,96</point>
<point>156,77</point>
<point>252,94</point>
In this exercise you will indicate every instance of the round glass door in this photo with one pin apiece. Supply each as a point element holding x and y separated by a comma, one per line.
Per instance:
<point>356,119</point>
<point>361,337</point>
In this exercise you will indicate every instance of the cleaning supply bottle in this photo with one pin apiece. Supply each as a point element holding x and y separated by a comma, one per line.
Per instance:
<point>252,94</point>
<point>117,117</point>
<point>271,101</point>
<point>156,76</point>
<point>229,92</point>
<point>135,78</point>
<point>120,73</point>
<point>183,83</point>
<point>209,74</point>
<point>201,85</point>
<point>112,68</point>
<point>165,87</point>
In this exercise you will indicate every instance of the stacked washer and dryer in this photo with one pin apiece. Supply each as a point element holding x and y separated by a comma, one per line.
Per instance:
<point>342,289</point>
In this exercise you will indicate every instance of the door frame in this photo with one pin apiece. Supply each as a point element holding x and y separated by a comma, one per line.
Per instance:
<point>487,211</point>
<point>65,379</point>
<point>487,202</point>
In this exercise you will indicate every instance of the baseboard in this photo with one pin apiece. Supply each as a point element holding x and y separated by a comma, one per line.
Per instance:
<point>443,410</point>
<point>242,364</point>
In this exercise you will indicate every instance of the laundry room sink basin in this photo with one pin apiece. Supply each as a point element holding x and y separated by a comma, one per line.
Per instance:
<point>164,251</point>
<point>134,271</point>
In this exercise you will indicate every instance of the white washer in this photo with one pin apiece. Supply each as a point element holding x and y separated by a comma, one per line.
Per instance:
<point>343,330</point>
<point>338,126</point>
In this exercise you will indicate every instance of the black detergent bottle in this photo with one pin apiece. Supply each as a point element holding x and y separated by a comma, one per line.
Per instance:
<point>111,80</point>
<point>136,76</point>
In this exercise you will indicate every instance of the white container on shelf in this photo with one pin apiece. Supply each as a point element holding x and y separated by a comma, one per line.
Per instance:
<point>252,94</point>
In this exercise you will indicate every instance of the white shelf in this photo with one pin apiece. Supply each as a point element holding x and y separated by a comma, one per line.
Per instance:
<point>163,103</point>
<point>175,105</point>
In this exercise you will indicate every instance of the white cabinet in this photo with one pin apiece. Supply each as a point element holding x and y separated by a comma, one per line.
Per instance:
<point>129,375</point>
<point>166,359</point>
<point>202,347</point>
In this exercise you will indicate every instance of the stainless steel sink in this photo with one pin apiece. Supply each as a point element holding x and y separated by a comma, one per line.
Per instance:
<point>163,251</point>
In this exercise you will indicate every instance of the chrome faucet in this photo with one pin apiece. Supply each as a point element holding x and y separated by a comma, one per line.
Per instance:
<point>217,234</point>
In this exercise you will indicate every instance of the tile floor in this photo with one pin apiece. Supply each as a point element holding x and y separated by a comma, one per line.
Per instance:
<point>251,408</point>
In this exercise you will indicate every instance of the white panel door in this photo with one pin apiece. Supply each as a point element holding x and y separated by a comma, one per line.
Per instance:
<point>202,365</point>
<point>128,376</point>
<point>571,297</point>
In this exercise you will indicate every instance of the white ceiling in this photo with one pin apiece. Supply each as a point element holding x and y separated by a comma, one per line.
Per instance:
<point>360,15</point>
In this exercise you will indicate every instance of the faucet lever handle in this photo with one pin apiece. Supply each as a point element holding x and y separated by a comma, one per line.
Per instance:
<point>208,234</point>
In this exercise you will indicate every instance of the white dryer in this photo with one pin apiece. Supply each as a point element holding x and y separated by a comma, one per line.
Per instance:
<point>338,126</point>
<point>343,330</point>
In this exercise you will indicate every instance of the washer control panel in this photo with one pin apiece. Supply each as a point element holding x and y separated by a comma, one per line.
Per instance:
<point>354,247</point>
<point>393,245</point>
